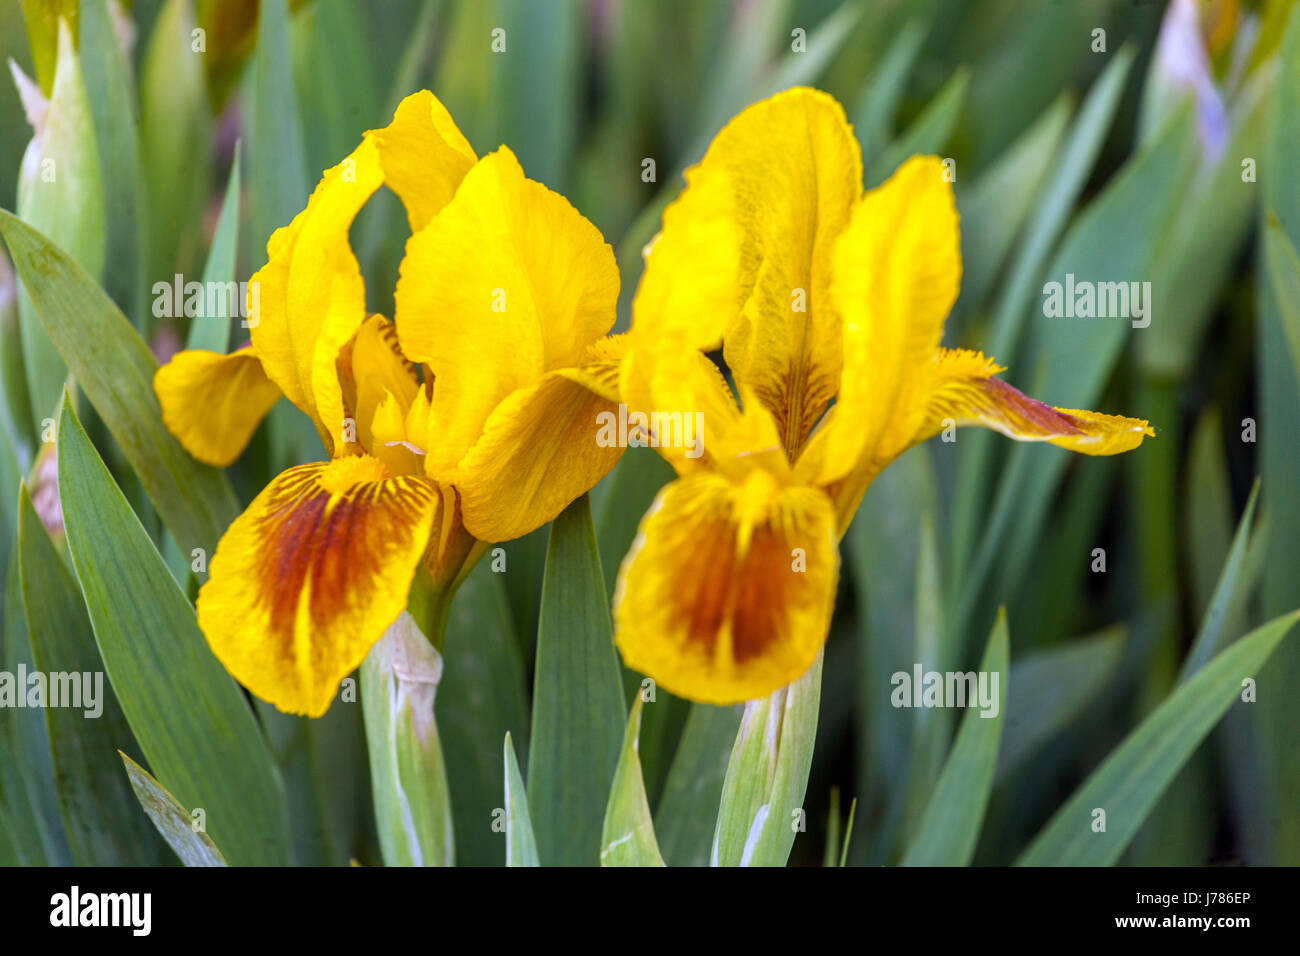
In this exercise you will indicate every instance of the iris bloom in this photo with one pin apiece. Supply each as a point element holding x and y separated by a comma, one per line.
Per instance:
<point>829,307</point>
<point>467,420</point>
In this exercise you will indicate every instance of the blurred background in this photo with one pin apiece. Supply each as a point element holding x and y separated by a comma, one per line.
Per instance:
<point>1115,140</point>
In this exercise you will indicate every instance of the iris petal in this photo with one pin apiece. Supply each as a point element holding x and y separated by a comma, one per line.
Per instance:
<point>726,594</point>
<point>310,576</point>
<point>213,403</point>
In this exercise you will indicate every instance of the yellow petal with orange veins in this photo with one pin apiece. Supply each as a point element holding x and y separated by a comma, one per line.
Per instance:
<point>897,272</point>
<point>423,155</point>
<point>795,171</point>
<point>310,576</point>
<point>311,298</point>
<point>541,448</point>
<point>600,366</point>
<point>965,392</point>
<point>506,283</point>
<point>726,594</point>
<point>213,403</point>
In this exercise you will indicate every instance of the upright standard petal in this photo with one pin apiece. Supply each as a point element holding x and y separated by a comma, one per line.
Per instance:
<point>311,298</point>
<point>423,155</point>
<point>964,391</point>
<point>726,594</point>
<point>897,272</point>
<point>794,170</point>
<point>506,283</point>
<point>311,574</point>
<point>213,403</point>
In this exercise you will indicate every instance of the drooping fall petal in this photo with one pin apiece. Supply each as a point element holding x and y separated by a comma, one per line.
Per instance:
<point>506,283</point>
<point>311,574</point>
<point>213,403</point>
<point>965,392</point>
<point>726,593</point>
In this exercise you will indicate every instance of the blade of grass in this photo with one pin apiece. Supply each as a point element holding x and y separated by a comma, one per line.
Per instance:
<point>951,824</point>
<point>189,717</point>
<point>95,801</point>
<point>521,845</point>
<point>627,836</point>
<point>172,821</point>
<point>577,697</point>
<point>1130,781</point>
<point>115,369</point>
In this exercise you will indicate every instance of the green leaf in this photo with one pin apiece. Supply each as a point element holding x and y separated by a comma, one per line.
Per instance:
<point>521,845</point>
<point>1052,689</point>
<point>628,835</point>
<point>883,537</point>
<point>408,776</point>
<point>30,793</point>
<point>995,206</point>
<point>111,89</point>
<point>1130,781</point>
<point>577,697</point>
<point>873,118</point>
<point>115,369</point>
<point>278,174</point>
<point>1207,520</point>
<point>1229,595</point>
<point>172,821</point>
<point>929,132</point>
<point>1202,245</point>
<point>482,696</point>
<point>763,791</point>
<point>176,131</point>
<point>212,332</point>
<point>96,804</point>
<point>1275,833</point>
<point>952,820</point>
<point>933,649</point>
<point>1283,268</point>
<point>537,85</point>
<point>61,196</point>
<point>619,502</point>
<point>824,42</point>
<point>190,718</point>
<point>336,81</point>
<point>688,809</point>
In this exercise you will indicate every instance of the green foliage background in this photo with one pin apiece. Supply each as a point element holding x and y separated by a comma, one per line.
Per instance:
<point>1068,160</point>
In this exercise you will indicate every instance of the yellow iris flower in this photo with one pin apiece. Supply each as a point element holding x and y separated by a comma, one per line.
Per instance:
<point>829,306</point>
<point>505,298</point>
